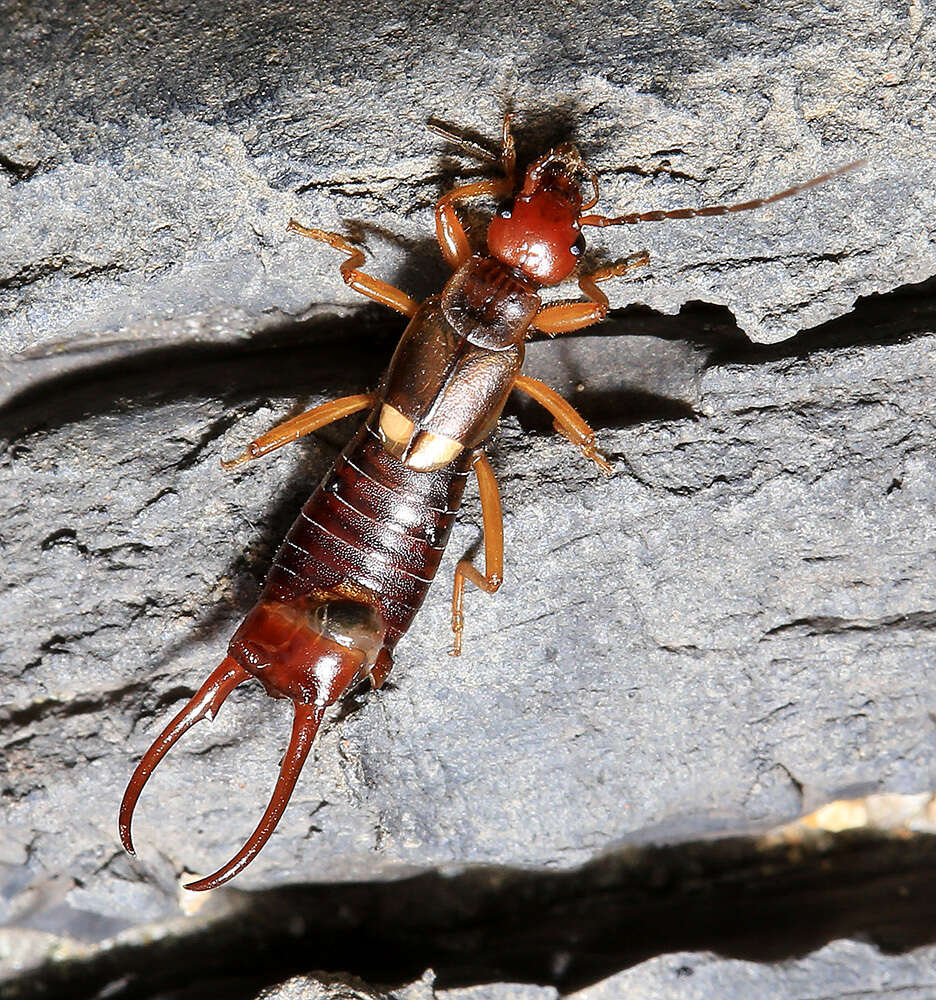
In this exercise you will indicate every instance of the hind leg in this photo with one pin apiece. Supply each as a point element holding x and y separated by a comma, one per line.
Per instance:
<point>493,521</point>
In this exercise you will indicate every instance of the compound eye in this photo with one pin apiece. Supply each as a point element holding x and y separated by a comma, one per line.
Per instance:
<point>578,247</point>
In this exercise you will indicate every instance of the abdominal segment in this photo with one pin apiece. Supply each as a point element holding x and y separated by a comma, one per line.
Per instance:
<point>373,533</point>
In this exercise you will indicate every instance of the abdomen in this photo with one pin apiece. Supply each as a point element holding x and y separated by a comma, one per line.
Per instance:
<point>373,532</point>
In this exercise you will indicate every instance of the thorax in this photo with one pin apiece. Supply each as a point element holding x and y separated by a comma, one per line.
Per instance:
<point>455,365</point>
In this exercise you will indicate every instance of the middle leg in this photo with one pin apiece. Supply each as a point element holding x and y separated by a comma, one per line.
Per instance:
<point>299,426</point>
<point>566,419</point>
<point>380,291</point>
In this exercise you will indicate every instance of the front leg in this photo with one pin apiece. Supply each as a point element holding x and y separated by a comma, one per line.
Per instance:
<point>380,291</point>
<point>453,241</point>
<point>567,317</point>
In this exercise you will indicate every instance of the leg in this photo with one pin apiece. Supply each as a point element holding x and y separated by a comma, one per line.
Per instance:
<point>373,288</point>
<point>566,317</point>
<point>305,423</point>
<point>493,520</point>
<point>566,419</point>
<point>449,231</point>
<point>508,153</point>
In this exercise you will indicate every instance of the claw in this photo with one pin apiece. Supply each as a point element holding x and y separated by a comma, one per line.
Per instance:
<point>307,651</point>
<point>204,705</point>
<point>305,726</point>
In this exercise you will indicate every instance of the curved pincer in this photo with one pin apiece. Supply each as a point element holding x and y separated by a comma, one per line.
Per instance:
<point>204,705</point>
<point>305,725</point>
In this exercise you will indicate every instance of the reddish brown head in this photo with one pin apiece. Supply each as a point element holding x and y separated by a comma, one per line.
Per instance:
<point>539,234</point>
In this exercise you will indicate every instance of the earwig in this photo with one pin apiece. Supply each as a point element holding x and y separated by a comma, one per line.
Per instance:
<point>356,565</point>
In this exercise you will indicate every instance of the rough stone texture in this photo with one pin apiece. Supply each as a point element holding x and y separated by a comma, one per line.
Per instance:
<point>319,986</point>
<point>843,969</point>
<point>737,628</point>
<point>155,154</point>
<point>761,900</point>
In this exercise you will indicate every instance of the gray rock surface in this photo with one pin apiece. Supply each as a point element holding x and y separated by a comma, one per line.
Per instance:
<point>843,969</point>
<point>735,629</point>
<point>153,156</point>
<point>321,986</point>
<point>765,900</point>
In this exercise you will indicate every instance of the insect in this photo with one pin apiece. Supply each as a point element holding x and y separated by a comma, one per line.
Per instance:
<point>356,565</point>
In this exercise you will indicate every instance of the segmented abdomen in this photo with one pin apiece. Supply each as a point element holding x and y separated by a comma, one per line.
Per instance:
<point>373,531</point>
